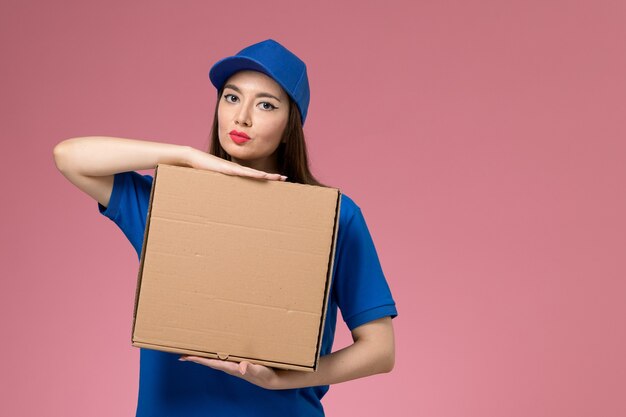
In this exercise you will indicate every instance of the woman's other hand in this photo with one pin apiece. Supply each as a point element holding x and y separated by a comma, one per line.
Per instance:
<point>202,160</point>
<point>260,375</point>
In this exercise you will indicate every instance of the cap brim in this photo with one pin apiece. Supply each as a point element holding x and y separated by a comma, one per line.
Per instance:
<point>224,68</point>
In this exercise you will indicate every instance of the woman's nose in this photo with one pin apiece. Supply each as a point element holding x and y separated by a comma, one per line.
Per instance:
<point>243,116</point>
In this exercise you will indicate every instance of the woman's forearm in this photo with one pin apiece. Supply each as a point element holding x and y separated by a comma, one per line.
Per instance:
<point>361,359</point>
<point>104,155</point>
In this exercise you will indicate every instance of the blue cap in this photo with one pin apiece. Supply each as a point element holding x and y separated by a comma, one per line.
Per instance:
<point>274,60</point>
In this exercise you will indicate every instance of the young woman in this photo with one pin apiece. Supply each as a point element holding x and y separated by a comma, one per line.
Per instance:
<point>263,97</point>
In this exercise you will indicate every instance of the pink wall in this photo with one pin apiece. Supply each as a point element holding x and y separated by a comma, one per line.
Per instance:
<point>484,142</point>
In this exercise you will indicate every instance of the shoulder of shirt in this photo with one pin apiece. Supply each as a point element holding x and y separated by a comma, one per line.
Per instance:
<point>348,209</point>
<point>145,177</point>
<point>149,179</point>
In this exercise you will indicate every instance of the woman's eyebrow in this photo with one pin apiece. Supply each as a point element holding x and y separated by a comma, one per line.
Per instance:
<point>234,87</point>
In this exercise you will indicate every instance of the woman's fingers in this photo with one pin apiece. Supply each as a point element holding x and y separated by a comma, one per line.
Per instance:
<point>229,367</point>
<point>203,160</point>
<point>255,173</point>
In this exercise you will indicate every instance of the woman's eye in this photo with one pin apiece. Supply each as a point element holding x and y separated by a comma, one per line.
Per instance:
<point>231,98</point>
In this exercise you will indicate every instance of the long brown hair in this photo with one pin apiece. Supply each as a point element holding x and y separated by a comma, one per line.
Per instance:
<point>292,155</point>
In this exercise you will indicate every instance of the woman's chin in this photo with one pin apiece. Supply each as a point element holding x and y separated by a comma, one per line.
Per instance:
<point>236,151</point>
<point>238,156</point>
<point>244,155</point>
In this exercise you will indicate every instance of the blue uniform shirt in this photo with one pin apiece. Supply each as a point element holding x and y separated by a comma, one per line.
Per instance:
<point>168,387</point>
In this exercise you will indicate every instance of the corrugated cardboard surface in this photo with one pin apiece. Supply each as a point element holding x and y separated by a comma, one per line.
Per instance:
<point>236,268</point>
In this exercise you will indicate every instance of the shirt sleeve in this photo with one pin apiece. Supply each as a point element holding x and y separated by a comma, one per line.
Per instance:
<point>361,290</point>
<point>128,205</point>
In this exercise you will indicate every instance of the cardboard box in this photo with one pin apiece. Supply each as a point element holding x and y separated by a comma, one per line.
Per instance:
<point>236,268</point>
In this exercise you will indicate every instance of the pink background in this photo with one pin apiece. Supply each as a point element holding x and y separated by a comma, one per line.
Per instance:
<point>484,142</point>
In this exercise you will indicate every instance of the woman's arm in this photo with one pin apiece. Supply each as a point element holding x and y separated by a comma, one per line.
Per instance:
<point>90,162</point>
<point>373,352</point>
<point>99,156</point>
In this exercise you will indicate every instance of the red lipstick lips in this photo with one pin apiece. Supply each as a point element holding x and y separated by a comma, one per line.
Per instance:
<point>238,137</point>
<point>234,132</point>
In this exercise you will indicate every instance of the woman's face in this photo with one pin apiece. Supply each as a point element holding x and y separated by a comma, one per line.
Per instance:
<point>252,104</point>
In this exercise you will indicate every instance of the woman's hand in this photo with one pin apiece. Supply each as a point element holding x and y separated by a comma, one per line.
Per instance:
<point>259,375</point>
<point>202,160</point>
<point>373,352</point>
